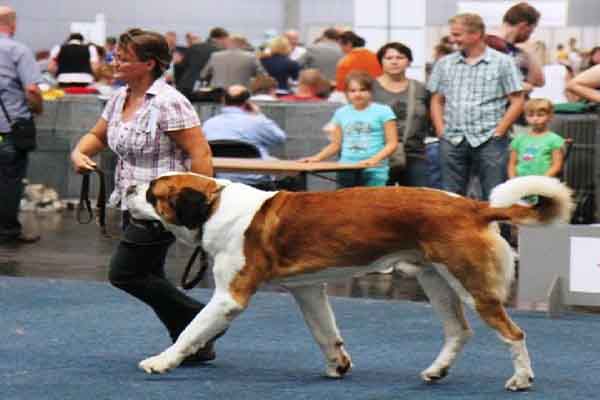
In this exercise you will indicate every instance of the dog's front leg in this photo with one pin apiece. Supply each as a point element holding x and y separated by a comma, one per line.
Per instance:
<point>314,303</point>
<point>214,319</point>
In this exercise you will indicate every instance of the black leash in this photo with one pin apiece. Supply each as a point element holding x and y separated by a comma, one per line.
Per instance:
<point>86,205</point>
<point>203,261</point>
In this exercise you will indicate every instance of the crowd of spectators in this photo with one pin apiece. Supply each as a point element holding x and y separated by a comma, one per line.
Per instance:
<point>428,115</point>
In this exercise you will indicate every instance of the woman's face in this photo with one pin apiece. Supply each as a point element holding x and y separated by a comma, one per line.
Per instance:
<point>346,47</point>
<point>128,66</point>
<point>394,62</point>
<point>358,95</point>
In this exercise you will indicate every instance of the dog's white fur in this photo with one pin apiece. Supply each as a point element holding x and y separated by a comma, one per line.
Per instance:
<point>223,239</point>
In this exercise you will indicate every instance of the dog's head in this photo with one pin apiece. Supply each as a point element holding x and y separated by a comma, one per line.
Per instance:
<point>176,199</point>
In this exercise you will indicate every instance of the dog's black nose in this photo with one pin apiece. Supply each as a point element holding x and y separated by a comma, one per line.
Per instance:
<point>130,190</point>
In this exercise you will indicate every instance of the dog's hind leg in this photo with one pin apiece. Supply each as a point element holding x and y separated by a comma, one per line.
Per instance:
<point>449,308</point>
<point>212,320</point>
<point>489,290</point>
<point>314,303</point>
<point>493,313</point>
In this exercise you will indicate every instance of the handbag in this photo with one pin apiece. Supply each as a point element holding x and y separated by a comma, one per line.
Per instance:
<point>398,158</point>
<point>22,131</point>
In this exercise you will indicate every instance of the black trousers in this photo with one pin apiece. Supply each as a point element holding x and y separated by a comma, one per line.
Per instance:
<point>13,169</point>
<point>137,267</point>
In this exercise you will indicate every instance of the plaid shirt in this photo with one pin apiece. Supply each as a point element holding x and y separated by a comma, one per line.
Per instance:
<point>145,150</point>
<point>476,95</point>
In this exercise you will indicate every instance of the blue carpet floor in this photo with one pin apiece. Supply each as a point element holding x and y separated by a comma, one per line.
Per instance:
<point>81,340</point>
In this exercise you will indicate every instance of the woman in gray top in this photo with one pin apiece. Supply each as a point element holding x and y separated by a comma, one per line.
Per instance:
<point>409,100</point>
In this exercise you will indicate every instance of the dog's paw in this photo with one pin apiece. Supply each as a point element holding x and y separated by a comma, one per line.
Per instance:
<point>519,382</point>
<point>160,363</point>
<point>434,374</point>
<point>337,371</point>
<point>340,366</point>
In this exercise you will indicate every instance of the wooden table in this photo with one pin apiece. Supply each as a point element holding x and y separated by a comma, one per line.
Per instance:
<point>285,167</point>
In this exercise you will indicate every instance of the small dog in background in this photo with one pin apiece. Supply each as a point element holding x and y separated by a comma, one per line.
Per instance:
<point>40,198</point>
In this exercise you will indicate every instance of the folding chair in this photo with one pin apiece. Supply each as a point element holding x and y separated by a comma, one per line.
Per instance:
<point>233,148</point>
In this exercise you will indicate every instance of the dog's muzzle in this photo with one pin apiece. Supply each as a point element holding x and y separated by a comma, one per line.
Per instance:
<point>136,203</point>
<point>131,190</point>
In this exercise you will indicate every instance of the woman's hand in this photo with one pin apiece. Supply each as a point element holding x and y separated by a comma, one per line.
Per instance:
<point>82,163</point>
<point>88,146</point>
<point>309,159</point>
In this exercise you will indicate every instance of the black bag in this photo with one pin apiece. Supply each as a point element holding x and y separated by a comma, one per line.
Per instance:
<point>22,131</point>
<point>24,134</point>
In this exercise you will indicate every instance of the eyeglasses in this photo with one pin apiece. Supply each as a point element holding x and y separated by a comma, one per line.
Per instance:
<point>118,60</point>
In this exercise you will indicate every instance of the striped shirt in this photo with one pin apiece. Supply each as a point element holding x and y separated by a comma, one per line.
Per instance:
<point>144,149</point>
<point>475,95</point>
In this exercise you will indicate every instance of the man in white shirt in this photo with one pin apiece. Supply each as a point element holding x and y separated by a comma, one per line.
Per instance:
<point>294,38</point>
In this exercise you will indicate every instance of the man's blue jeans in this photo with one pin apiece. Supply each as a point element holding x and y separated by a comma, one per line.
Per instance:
<point>488,161</point>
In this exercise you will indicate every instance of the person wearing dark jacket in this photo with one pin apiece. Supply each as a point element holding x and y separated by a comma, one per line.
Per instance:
<point>279,65</point>
<point>74,62</point>
<point>197,57</point>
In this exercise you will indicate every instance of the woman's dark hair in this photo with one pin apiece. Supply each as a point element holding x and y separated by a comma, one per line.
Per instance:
<point>399,47</point>
<point>148,45</point>
<point>364,80</point>
<point>331,34</point>
<point>351,38</point>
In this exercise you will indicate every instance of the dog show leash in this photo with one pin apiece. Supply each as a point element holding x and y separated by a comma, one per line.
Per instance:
<point>203,261</point>
<point>198,251</point>
<point>86,205</point>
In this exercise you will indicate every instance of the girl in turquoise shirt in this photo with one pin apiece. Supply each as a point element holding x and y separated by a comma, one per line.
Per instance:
<point>364,133</point>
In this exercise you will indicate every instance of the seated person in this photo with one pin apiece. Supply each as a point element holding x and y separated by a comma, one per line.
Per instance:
<point>241,120</point>
<point>312,86</point>
<point>263,88</point>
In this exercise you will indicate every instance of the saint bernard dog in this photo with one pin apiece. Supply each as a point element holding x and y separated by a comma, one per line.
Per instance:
<point>302,239</point>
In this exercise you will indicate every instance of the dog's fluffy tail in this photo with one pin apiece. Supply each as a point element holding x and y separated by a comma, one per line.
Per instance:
<point>554,203</point>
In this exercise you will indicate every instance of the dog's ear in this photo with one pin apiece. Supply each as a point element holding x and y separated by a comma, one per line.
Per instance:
<point>191,208</point>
